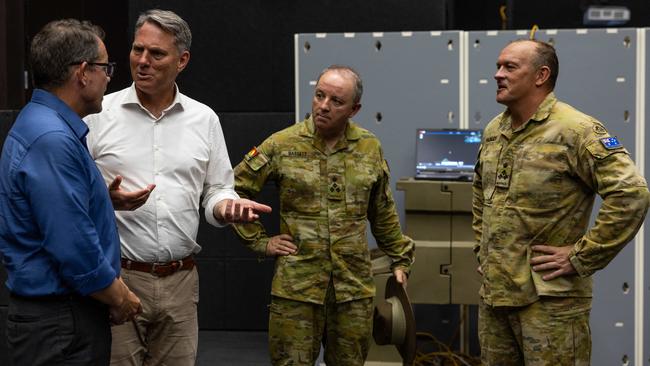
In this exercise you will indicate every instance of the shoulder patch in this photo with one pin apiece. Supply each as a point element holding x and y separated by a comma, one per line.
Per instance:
<point>610,143</point>
<point>255,159</point>
<point>490,139</point>
<point>599,130</point>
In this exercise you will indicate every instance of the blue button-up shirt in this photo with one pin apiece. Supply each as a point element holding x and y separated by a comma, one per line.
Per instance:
<point>57,224</point>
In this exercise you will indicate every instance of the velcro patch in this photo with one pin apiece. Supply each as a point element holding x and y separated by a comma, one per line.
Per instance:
<point>255,159</point>
<point>610,143</point>
<point>252,153</point>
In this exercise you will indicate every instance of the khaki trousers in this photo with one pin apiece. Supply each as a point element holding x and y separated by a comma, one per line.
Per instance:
<point>168,322</point>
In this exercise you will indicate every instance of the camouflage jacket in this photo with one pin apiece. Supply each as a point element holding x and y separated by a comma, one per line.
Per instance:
<point>326,200</point>
<point>536,185</point>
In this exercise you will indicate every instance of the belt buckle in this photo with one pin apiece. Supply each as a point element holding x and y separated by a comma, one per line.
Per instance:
<point>153,269</point>
<point>166,269</point>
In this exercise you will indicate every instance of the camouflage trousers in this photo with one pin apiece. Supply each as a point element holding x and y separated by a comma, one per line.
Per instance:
<point>553,331</point>
<point>296,330</point>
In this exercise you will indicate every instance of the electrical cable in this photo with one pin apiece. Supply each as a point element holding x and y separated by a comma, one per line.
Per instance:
<point>533,30</point>
<point>504,17</point>
<point>443,355</point>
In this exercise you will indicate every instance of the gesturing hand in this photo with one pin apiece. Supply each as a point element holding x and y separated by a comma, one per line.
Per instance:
<point>240,210</point>
<point>128,201</point>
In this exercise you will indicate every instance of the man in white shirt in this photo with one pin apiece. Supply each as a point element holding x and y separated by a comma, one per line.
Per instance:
<point>150,135</point>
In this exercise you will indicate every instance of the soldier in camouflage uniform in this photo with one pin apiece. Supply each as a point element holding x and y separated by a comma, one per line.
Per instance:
<point>540,164</point>
<point>333,179</point>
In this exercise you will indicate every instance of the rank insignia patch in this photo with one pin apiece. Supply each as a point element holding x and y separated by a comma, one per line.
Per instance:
<point>610,143</point>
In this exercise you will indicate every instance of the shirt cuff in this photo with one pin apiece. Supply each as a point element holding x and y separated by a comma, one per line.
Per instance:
<point>213,201</point>
<point>99,279</point>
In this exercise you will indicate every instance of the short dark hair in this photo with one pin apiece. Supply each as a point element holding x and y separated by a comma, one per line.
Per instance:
<point>59,44</point>
<point>171,23</point>
<point>358,84</point>
<point>545,56</point>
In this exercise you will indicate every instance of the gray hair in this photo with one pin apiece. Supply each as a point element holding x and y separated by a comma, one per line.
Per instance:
<point>171,23</point>
<point>358,84</point>
<point>60,44</point>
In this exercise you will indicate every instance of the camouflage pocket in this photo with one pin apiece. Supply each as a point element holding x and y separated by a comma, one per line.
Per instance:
<point>541,175</point>
<point>300,184</point>
<point>489,166</point>
<point>361,175</point>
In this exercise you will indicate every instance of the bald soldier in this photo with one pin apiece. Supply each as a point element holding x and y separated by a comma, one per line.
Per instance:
<point>540,165</point>
<point>333,179</point>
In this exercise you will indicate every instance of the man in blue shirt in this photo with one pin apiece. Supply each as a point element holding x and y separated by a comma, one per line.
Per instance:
<point>58,237</point>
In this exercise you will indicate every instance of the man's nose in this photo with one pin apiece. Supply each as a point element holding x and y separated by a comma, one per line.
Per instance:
<point>143,59</point>
<point>324,104</point>
<point>499,74</point>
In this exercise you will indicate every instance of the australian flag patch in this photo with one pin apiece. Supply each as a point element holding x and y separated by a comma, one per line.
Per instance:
<point>610,143</point>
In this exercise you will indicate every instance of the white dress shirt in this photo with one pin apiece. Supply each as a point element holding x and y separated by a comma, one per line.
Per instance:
<point>182,152</point>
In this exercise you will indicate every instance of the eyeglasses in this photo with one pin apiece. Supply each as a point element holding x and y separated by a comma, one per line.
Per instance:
<point>109,67</point>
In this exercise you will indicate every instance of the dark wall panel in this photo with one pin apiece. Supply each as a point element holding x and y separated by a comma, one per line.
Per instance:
<point>112,17</point>
<point>4,347</point>
<point>7,119</point>
<point>248,293</point>
<point>234,293</point>
<point>12,64</point>
<point>242,54</point>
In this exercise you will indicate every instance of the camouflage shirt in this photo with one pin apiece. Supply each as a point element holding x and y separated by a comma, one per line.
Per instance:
<point>536,185</point>
<point>326,200</point>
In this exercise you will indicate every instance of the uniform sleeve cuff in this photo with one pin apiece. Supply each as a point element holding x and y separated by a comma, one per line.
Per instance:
<point>582,271</point>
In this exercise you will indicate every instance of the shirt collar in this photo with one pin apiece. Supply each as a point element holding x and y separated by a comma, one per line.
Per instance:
<point>352,132</point>
<point>131,98</point>
<point>541,114</point>
<point>544,109</point>
<point>71,118</point>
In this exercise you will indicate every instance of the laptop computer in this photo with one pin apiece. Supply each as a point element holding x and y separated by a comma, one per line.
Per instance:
<point>446,154</point>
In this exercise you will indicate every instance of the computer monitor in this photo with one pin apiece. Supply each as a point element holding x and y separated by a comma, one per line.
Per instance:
<point>446,154</point>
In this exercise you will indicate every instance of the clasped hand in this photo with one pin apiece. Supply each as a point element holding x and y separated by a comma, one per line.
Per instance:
<point>128,309</point>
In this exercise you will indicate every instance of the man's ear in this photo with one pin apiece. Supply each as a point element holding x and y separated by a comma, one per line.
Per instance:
<point>81,73</point>
<point>543,74</point>
<point>355,109</point>
<point>184,60</point>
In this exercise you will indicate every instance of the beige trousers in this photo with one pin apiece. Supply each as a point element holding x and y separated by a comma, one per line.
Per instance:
<point>168,322</point>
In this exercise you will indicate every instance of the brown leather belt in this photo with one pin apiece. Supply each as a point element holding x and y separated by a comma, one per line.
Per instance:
<point>160,269</point>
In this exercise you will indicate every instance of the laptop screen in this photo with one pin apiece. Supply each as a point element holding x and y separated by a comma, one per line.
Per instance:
<point>446,153</point>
